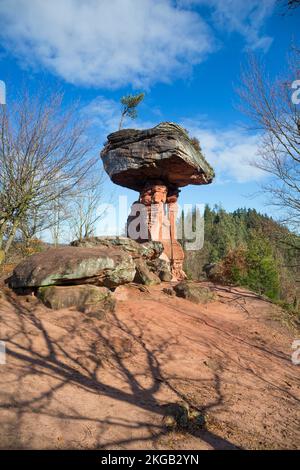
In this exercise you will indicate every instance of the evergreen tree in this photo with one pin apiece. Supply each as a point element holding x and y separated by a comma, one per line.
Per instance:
<point>251,250</point>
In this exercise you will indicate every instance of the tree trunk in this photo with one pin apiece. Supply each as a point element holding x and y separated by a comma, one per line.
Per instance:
<point>2,231</point>
<point>11,236</point>
<point>121,121</point>
<point>1,240</point>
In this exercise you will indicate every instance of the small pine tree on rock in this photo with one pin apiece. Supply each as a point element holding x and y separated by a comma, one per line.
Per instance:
<point>129,105</point>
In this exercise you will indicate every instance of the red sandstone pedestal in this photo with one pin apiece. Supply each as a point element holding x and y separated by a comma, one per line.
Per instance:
<point>153,217</point>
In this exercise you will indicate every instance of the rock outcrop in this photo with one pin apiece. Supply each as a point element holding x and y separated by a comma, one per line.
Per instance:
<point>161,267</point>
<point>95,261</point>
<point>156,162</point>
<point>104,266</point>
<point>149,257</point>
<point>144,276</point>
<point>85,298</point>
<point>149,250</point>
<point>194,292</point>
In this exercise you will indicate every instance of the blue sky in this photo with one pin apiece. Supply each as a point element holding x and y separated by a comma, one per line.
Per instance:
<point>185,54</point>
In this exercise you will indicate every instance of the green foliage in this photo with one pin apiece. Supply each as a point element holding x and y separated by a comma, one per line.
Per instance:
<point>196,144</point>
<point>263,270</point>
<point>250,250</point>
<point>130,103</point>
<point>254,267</point>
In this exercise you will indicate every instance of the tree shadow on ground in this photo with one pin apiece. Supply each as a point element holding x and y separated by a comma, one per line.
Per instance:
<point>62,362</point>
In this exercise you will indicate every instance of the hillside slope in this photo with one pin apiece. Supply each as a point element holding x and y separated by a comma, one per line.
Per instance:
<point>72,381</point>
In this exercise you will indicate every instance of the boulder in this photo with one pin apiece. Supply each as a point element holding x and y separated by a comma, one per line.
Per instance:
<point>147,250</point>
<point>161,268</point>
<point>169,291</point>
<point>212,271</point>
<point>144,276</point>
<point>152,261</point>
<point>166,152</point>
<point>121,293</point>
<point>103,265</point>
<point>86,298</point>
<point>194,292</point>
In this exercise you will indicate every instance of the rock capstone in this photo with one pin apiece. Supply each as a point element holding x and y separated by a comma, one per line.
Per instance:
<point>133,157</point>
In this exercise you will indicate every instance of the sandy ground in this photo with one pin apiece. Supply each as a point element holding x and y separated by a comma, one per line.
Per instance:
<point>72,381</point>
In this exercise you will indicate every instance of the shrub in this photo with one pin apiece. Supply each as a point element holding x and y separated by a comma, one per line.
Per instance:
<point>196,144</point>
<point>253,267</point>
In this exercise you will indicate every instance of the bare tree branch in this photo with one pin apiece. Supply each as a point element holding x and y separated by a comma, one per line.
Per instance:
<point>271,109</point>
<point>44,156</point>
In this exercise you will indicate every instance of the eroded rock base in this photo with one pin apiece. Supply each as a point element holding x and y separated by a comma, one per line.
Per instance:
<point>153,217</point>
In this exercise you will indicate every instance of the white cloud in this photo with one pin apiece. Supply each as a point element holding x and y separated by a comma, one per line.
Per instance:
<point>104,114</point>
<point>244,17</point>
<point>107,43</point>
<point>229,151</point>
<point>114,43</point>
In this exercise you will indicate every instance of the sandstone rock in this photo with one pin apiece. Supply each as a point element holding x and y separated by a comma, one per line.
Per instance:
<point>121,293</point>
<point>105,266</point>
<point>133,157</point>
<point>83,297</point>
<point>100,309</point>
<point>144,275</point>
<point>148,250</point>
<point>194,292</point>
<point>161,268</point>
<point>210,270</point>
<point>169,291</point>
<point>156,162</point>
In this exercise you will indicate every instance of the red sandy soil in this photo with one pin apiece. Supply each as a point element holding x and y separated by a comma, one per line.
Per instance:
<point>72,381</point>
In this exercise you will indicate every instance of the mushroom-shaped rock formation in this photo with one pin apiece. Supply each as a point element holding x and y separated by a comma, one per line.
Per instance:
<point>156,162</point>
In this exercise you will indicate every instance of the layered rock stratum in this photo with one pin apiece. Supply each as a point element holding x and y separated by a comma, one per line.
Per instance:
<point>78,265</point>
<point>165,152</point>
